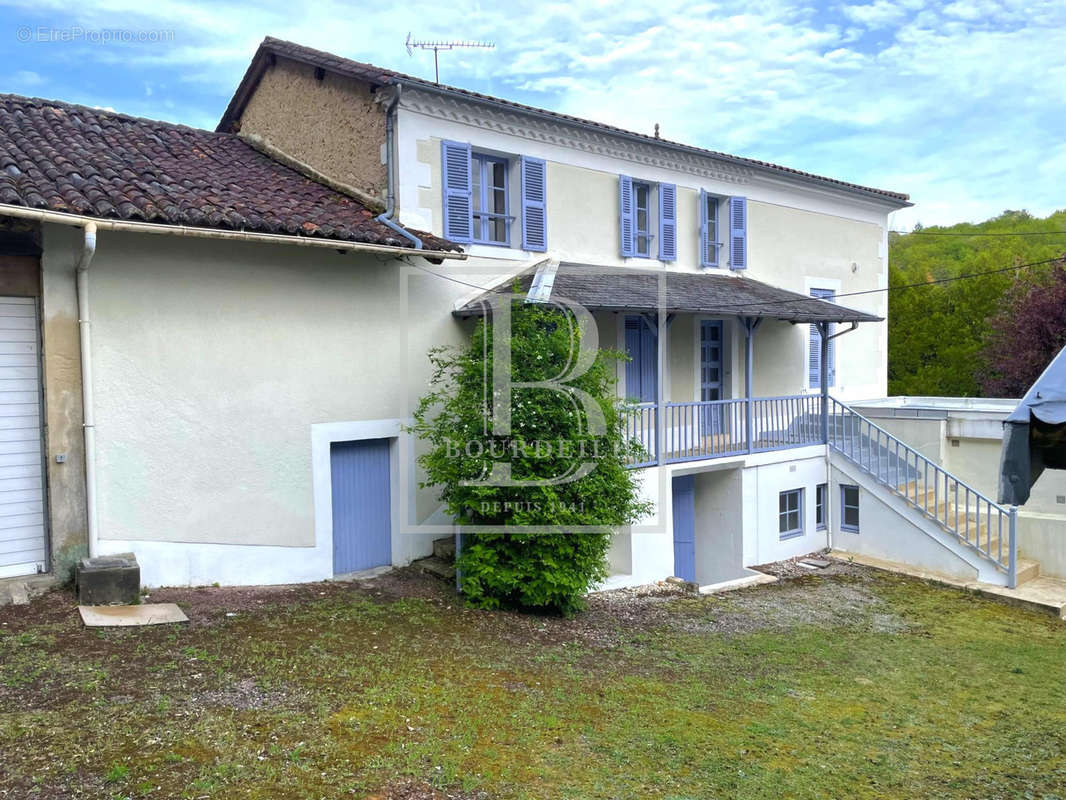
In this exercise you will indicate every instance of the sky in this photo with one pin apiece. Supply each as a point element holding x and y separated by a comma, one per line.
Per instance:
<point>960,104</point>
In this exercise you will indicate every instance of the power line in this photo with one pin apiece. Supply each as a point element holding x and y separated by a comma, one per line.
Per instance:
<point>1019,233</point>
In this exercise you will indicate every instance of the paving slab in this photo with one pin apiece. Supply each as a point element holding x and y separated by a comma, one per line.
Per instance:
<point>128,616</point>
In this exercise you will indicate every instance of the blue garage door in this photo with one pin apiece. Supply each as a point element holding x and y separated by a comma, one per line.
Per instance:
<point>685,527</point>
<point>362,521</point>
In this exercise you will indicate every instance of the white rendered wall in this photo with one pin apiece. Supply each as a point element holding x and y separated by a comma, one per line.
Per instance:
<point>215,365</point>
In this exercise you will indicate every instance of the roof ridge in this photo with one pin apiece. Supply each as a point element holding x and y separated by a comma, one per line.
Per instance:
<point>44,101</point>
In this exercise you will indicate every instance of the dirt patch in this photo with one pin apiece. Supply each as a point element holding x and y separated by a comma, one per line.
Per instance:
<point>244,695</point>
<point>792,568</point>
<point>414,790</point>
<point>806,600</point>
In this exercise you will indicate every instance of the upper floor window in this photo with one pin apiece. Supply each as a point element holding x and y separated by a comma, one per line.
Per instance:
<point>723,221</point>
<point>477,197</point>
<point>710,242</point>
<point>642,206</point>
<point>488,178</point>
<point>644,211</point>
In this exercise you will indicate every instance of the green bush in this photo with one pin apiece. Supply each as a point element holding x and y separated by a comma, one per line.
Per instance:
<point>550,570</point>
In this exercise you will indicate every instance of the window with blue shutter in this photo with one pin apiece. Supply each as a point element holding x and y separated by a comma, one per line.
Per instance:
<point>458,209</point>
<point>738,233</point>
<point>709,243</point>
<point>814,361</point>
<point>641,219</point>
<point>642,349</point>
<point>492,219</point>
<point>634,217</point>
<point>625,215</point>
<point>534,205</point>
<point>667,222</point>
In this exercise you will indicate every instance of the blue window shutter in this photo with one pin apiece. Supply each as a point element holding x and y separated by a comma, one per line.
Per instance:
<point>814,359</point>
<point>706,254</point>
<point>738,233</point>
<point>534,205</point>
<point>816,351</point>
<point>458,210</point>
<point>667,222</point>
<point>626,222</point>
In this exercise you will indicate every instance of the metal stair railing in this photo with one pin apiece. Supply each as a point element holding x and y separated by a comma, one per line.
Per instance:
<point>957,507</point>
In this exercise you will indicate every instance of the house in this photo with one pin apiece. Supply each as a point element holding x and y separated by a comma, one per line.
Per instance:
<point>250,393</point>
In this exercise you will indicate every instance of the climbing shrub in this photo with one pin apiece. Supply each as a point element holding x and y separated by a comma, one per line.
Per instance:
<point>552,568</point>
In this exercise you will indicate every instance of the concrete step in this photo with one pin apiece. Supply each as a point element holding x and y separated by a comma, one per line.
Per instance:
<point>1028,570</point>
<point>436,566</point>
<point>444,549</point>
<point>14,592</point>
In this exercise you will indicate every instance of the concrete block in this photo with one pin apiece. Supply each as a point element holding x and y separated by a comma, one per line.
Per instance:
<point>108,580</point>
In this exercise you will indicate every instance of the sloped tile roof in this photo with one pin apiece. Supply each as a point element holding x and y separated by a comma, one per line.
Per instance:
<point>98,163</point>
<point>271,47</point>
<point>640,291</point>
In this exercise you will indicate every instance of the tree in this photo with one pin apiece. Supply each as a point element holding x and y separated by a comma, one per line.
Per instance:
<point>937,331</point>
<point>554,569</point>
<point>1028,331</point>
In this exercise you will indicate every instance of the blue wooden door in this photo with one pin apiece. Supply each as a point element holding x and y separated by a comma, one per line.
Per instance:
<point>685,527</point>
<point>362,520</point>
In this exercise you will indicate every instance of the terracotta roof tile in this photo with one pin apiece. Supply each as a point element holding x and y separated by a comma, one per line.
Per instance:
<point>87,161</point>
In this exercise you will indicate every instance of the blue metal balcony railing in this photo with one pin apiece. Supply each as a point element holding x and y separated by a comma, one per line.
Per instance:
<point>713,429</point>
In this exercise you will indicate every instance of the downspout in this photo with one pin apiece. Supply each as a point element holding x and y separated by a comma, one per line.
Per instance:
<point>88,417</point>
<point>390,161</point>
<point>825,422</point>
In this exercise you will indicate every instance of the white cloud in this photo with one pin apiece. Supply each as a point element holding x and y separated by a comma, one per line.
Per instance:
<point>879,14</point>
<point>956,104</point>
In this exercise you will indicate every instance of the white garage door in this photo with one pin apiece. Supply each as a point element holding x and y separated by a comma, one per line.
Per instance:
<point>22,533</point>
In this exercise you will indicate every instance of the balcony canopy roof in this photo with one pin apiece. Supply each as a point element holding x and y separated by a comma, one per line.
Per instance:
<point>633,290</point>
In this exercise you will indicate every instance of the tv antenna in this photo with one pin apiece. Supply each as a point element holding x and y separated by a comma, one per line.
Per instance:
<point>437,46</point>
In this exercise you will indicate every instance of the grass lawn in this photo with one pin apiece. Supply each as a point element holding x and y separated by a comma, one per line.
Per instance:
<point>853,683</point>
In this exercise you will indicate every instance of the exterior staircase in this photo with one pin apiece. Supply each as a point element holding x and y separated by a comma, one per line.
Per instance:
<point>985,530</point>
<point>442,562</point>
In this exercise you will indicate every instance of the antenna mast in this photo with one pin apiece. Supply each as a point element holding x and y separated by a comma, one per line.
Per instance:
<point>437,46</point>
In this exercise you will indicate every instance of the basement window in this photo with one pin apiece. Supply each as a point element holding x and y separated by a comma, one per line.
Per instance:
<point>820,494</point>
<point>849,508</point>
<point>790,513</point>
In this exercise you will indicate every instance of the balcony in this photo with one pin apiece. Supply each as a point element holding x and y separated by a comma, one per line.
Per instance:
<point>712,356</point>
<point>695,431</point>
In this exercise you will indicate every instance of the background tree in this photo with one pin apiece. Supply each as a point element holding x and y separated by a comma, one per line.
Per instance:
<point>1026,333</point>
<point>551,570</point>
<point>937,332</point>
